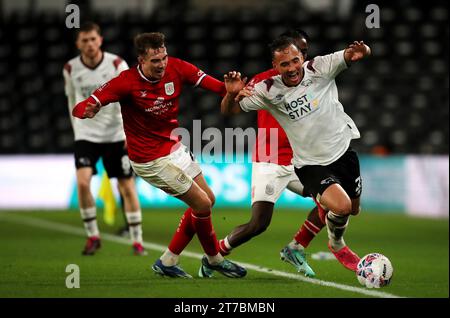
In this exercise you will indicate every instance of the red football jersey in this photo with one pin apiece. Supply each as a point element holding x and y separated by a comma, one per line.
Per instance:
<point>262,152</point>
<point>150,108</point>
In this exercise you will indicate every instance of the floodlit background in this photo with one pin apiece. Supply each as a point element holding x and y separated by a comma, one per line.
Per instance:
<point>398,97</point>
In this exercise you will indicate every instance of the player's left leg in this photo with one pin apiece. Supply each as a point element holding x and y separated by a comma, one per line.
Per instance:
<point>186,230</point>
<point>207,236</point>
<point>259,221</point>
<point>117,165</point>
<point>313,223</point>
<point>294,252</point>
<point>198,200</point>
<point>268,182</point>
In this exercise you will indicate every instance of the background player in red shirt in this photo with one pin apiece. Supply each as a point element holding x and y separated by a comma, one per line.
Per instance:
<point>272,172</point>
<point>149,97</point>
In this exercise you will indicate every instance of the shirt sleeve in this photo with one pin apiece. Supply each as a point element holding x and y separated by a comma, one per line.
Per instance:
<point>254,102</point>
<point>328,65</point>
<point>190,73</point>
<point>69,90</point>
<point>213,85</point>
<point>112,91</point>
<point>122,66</point>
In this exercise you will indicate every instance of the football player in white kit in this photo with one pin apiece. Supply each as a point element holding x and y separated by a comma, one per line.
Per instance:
<point>99,137</point>
<point>304,100</point>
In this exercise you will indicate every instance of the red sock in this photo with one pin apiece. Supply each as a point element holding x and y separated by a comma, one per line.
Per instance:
<point>205,232</point>
<point>306,233</point>
<point>184,233</point>
<point>322,212</point>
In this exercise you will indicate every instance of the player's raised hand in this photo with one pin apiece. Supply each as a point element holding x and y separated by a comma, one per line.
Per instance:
<point>356,51</point>
<point>233,82</point>
<point>91,110</point>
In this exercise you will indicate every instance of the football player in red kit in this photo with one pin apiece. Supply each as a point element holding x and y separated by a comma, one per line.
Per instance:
<point>149,96</point>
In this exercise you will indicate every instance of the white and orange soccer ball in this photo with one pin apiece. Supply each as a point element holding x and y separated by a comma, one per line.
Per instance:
<point>374,270</point>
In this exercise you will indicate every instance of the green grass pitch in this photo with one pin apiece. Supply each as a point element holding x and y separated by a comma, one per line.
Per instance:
<point>33,259</point>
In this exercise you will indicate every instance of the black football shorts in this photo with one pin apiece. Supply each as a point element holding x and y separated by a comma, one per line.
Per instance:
<point>344,171</point>
<point>114,156</point>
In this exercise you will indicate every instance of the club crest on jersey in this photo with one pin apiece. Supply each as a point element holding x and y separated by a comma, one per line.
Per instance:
<point>169,88</point>
<point>279,97</point>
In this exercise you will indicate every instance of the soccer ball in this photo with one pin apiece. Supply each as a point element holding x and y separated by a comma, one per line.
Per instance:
<point>374,270</point>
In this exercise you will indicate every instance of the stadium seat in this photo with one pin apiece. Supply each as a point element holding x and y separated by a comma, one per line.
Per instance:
<point>390,96</point>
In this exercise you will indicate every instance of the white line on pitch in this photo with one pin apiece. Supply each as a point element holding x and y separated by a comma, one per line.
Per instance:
<point>69,229</point>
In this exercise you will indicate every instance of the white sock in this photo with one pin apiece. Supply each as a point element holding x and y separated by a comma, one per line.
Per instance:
<point>296,245</point>
<point>216,259</point>
<point>89,216</point>
<point>227,243</point>
<point>169,258</point>
<point>135,224</point>
<point>336,225</point>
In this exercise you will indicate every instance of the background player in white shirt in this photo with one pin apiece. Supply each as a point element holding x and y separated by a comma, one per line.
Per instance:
<point>102,136</point>
<point>304,100</point>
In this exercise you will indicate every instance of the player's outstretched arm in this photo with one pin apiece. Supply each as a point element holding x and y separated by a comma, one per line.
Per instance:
<point>110,92</point>
<point>356,51</point>
<point>86,109</point>
<point>234,86</point>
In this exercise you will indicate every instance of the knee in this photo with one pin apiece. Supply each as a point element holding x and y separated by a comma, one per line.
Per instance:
<point>212,198</point>
<point>83,186</point>
<point>343,207</point>
<point>202,207</point>
<point>356,210</point>
<point>259,228</point>
<point>126,189</point>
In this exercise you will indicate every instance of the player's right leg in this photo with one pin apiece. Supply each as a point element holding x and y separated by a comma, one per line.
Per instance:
<point>85,160</point>
<point>124,230</point>
<point>259,221</point>
<point>201,205</point>
<point>322,183</point>
<point>294,252</point>
<point>164,174</point>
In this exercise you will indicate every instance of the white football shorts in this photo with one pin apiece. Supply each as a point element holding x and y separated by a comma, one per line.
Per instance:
<point>270,179</point>
<point>173,173</point>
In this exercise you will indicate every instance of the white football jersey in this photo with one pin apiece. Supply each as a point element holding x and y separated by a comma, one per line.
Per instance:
<point>310,113</point>
<point>80,81</point>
